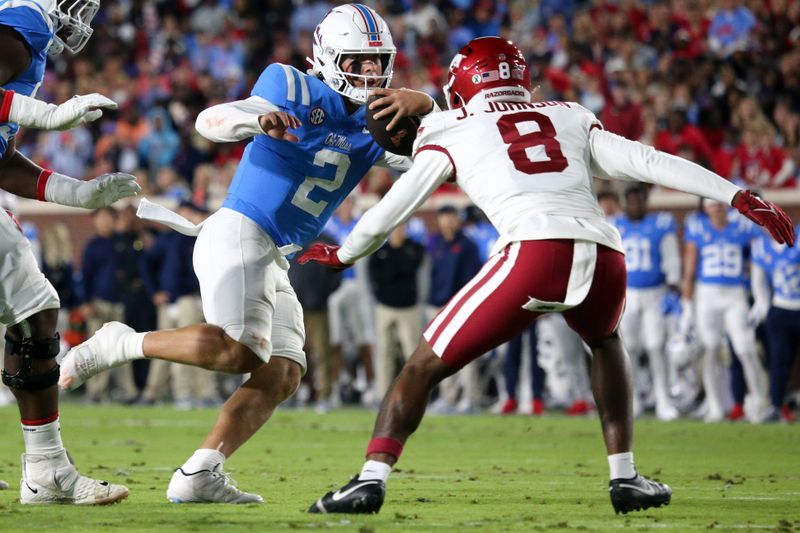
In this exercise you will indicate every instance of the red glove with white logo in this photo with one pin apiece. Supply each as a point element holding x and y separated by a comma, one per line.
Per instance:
<point>324,254</point>
<point>765,214</point>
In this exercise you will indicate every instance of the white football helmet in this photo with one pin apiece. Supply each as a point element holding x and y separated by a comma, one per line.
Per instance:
<point>347,30</point>
<point>71,23</point>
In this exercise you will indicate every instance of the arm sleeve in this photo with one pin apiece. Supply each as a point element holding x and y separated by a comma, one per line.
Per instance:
<point>234,121</point>
<point>395,162</point>
<point>671,258</point>
<point>430,170</point>
<point>616,157</point>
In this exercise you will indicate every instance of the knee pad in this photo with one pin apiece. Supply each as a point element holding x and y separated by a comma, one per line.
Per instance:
<point>25,379</point>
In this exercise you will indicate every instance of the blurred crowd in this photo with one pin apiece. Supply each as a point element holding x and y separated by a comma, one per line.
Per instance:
<point>714,81</point>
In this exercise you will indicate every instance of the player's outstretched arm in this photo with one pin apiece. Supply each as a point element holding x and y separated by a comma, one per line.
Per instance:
<point>616,157</point>
<point>430,170</point>
<point>33,113</point>
<point>236,121</point>
<point>20,176</point>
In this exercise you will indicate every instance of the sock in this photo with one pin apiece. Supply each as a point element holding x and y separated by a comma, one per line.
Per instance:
<point>621,465</point>
<point>42,437</point>
<point>43,447</point>
<point>375,470</point>
<point>203,459</point>
<point>132,345</point>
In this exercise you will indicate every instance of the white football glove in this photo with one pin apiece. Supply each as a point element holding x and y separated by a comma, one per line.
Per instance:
<point>33,113</point>
<point>686,320</point>
<point>93,194</point>
<point>757,313</point>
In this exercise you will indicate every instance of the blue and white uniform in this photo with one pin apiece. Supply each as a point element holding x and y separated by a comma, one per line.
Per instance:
<point>652,261</point>
<point>291,189</point>
<point>24,290</point>
<point>281,197</point>
<point>776,270</point>
<point>33,24</point>
<point>721,296</point>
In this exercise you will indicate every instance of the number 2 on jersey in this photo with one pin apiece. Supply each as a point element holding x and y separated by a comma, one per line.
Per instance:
<point>520,142</point>
<point>321,158</point>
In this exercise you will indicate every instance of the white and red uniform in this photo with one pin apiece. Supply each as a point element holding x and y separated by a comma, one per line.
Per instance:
<point>529,167</point>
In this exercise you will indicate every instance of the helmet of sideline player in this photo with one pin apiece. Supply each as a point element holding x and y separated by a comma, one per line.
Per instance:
<point>487,63</point>
<point>71,23</point>
<point>352,30</point>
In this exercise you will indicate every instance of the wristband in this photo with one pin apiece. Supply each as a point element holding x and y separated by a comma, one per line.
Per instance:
<point>5,105</point>
<point>41,185</point>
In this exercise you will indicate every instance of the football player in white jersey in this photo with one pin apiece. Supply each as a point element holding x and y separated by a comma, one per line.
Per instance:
<point>29,30</point>
<point>529,167</point>
<point>310,148</point>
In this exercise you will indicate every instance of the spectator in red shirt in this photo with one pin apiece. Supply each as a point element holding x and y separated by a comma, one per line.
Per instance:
<point>759,162</point>
<point>679,132</point>
<point>621,115</point>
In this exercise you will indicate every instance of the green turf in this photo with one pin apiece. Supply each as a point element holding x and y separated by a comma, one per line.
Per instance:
<point>478,473</point>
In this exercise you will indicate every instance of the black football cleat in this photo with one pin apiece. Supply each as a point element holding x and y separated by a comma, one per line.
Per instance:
<point>357,497</point>
<point>637,494</point>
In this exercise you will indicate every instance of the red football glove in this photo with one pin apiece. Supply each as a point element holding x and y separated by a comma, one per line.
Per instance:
<point>324,254</point>
<point>766,214</point>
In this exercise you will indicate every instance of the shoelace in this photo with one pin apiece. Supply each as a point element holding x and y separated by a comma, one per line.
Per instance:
<point>226,478</point>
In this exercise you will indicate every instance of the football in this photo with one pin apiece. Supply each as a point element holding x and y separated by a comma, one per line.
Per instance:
<point>398,141</point>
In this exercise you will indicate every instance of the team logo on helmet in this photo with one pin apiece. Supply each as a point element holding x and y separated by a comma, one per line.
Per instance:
<point>316,116</point>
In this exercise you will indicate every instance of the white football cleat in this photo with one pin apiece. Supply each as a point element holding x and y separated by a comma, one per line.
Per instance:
<point>666,412</point>
<point>104,350</point>
<point>3,485</point>
<point>207,486</point>
<point>63,484</point>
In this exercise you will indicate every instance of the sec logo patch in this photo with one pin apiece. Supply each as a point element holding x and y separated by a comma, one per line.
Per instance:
<point>316,116</point>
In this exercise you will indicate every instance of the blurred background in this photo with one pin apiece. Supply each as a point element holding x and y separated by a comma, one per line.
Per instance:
<point>713,81</point>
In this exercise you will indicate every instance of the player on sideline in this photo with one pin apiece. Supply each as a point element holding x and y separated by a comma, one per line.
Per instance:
<point>286,188</point>
<point>29,30</point>
<point>653,263</point>
<point>715,286</point>
<point>529,167</point>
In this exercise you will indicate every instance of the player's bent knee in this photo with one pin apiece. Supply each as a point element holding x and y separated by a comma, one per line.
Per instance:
<point>27,355</point>
<point>239,359</point>
<point>425,365</point>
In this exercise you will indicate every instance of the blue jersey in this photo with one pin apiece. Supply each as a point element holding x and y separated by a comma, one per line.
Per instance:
<point>641,240</point>
<point>31,21</point>
<point>292,189</point>
<point>722,253</point>
<point>782,265</point>
<point>339,230</point>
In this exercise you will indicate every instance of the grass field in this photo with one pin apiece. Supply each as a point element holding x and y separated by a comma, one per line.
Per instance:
<point>477,473</point>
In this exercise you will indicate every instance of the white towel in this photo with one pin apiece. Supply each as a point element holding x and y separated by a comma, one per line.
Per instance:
<point>158,213</point>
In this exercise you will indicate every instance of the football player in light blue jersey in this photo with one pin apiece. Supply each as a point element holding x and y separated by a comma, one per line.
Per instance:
<point>776,290</point>
<point>310,148</point>
<point>716,258</point>
<point>652,260</point>
<point>29,29</point>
